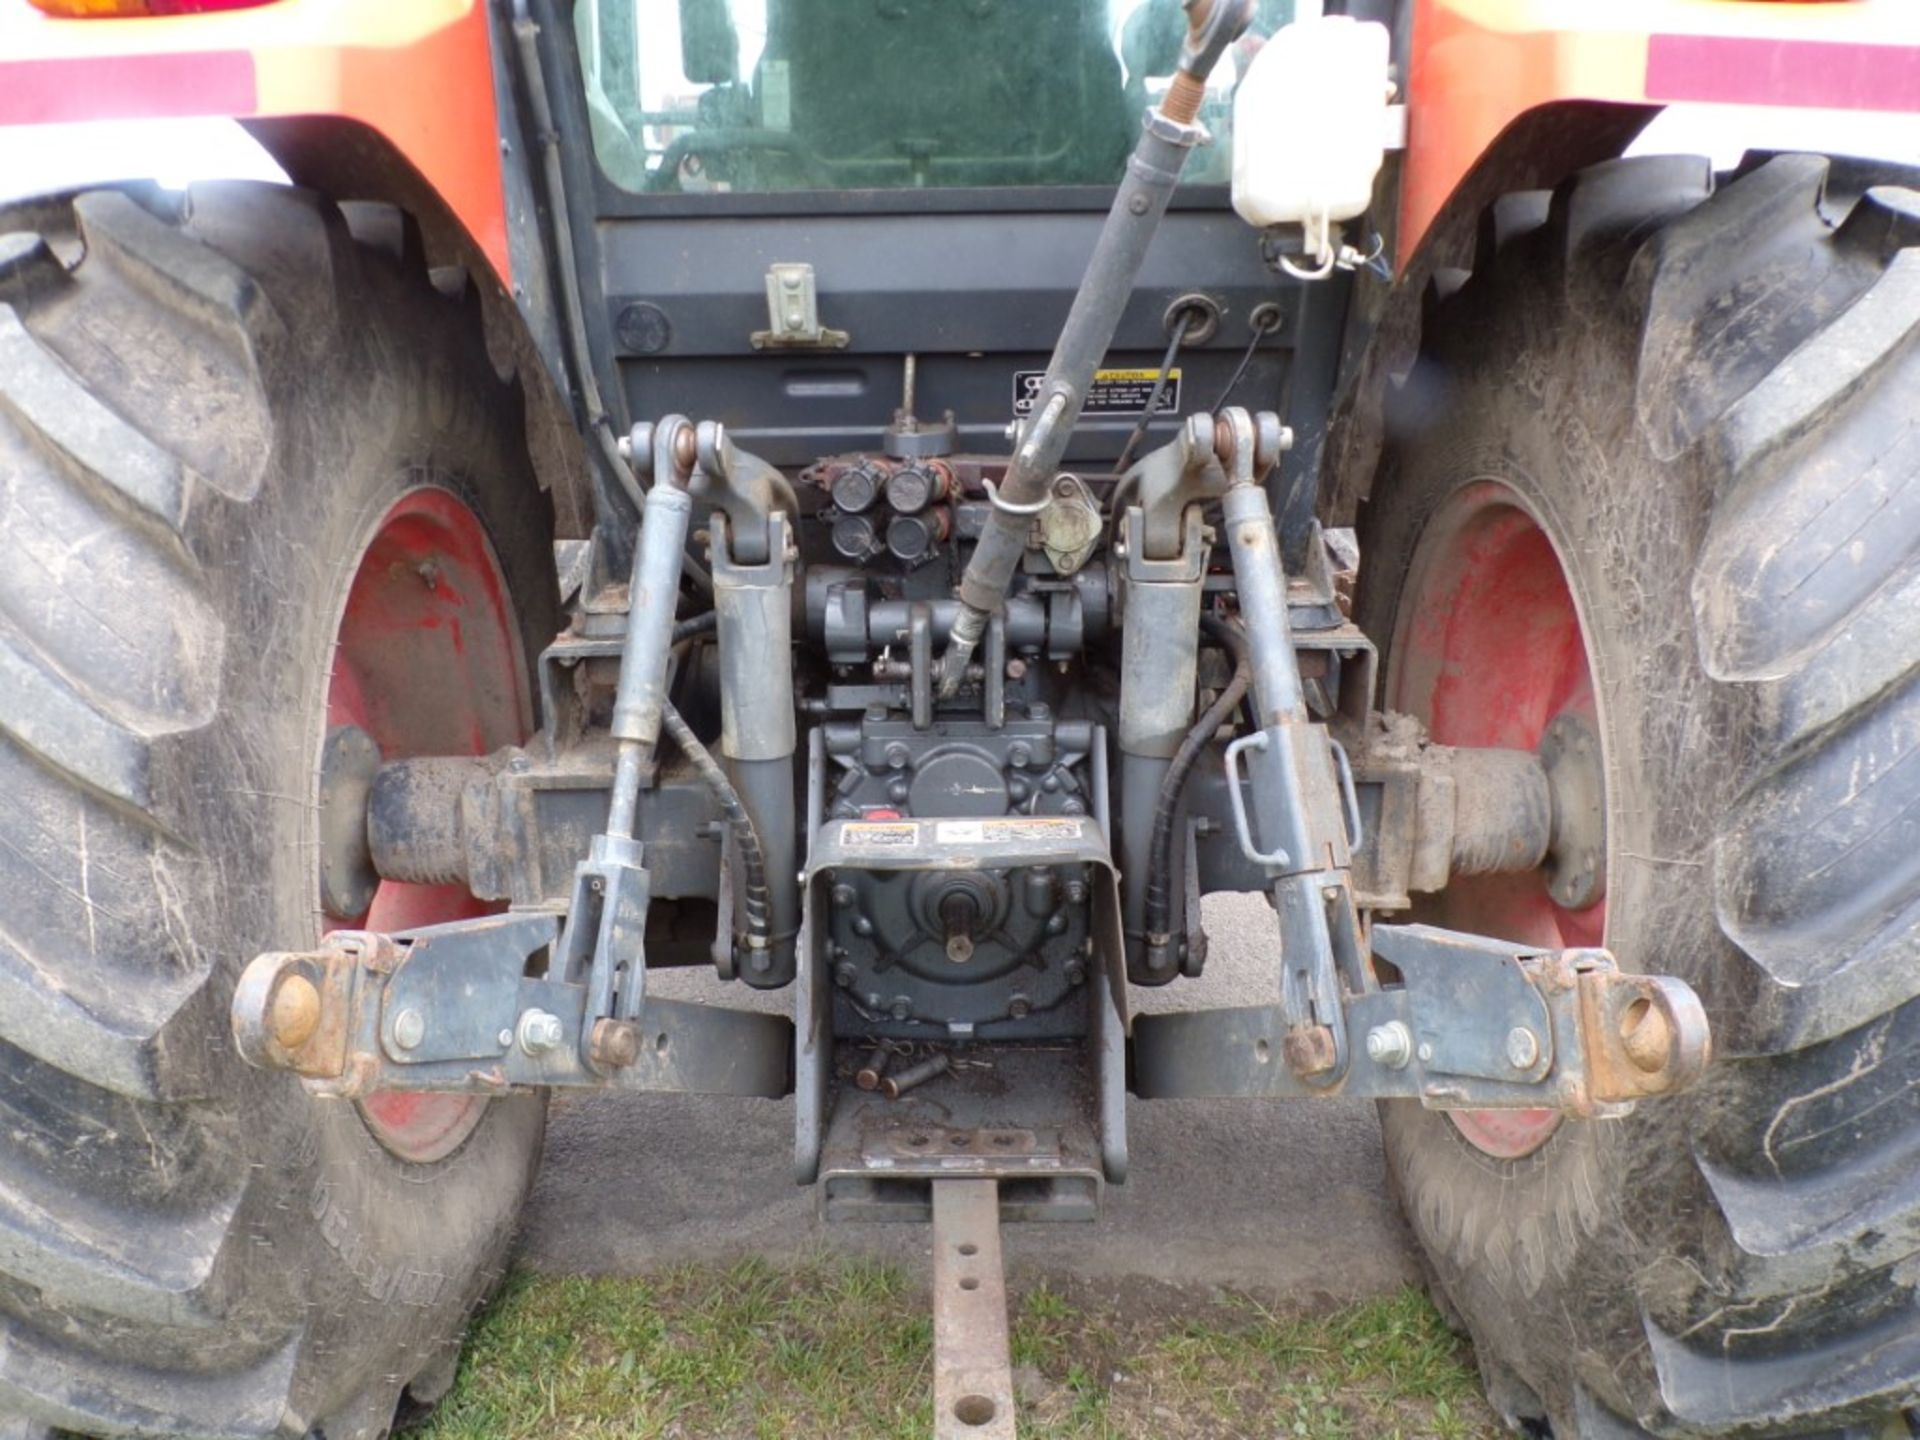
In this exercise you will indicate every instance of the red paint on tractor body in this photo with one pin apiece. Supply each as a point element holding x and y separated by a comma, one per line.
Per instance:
<point>125,87</point>
<point>1746,70</point>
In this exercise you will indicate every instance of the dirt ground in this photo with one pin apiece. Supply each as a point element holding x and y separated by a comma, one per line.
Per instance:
<point>1286,1201</point>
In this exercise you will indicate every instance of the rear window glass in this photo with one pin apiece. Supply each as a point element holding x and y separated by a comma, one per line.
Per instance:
<point>752,96</point>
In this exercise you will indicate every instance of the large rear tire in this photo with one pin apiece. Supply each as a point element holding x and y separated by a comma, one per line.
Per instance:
<point>1695,406</point>
<point>218,416</point>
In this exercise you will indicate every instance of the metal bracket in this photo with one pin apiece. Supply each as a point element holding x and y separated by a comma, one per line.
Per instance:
<point>793,312</point>
<point>1167,485</point>
<point>743,486</point>
<point>453,1009</point>
<point>1475,1023</point>
<point>1069,527</point>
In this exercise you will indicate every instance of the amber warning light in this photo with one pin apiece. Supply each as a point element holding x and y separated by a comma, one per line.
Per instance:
<point>115,9</point>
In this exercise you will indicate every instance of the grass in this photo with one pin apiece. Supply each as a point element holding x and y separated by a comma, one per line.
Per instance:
<point>843,1348</point>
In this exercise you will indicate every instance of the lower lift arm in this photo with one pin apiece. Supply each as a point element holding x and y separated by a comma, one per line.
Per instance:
<point>528,998</point>
<point>1454,1021</point>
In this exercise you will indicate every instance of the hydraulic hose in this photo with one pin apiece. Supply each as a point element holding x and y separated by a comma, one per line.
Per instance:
<point>1160,846</point>
<point>753,860</point>
<point>695,625</point>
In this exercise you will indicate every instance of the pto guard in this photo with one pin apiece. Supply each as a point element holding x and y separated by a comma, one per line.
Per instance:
<point>1476,1024</point>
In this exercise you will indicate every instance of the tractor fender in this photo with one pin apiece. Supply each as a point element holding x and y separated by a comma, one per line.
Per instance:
<point>410,104</point>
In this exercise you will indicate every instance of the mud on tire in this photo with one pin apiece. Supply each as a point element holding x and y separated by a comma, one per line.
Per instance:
<point>206,404</point>
<point>1706,395</point>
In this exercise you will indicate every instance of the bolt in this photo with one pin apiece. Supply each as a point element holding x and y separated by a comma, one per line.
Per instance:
<point>1019,1007</point>
<point>1016,669</point>
<point>1390,1045</point>
<point>1076,973</point>
<point>614,1044</point>
<point>1309,1050</point>
<point>295,1012</point>
<point>898,756</point>
<point>844,974</point>
<point>409,1029</point>
<point>1523,1048</point>
<point>867,1077</point>
<point>540,1031</point>
<point>843,895</point>
<point>1020,754</point>
<point>505,1037</point>
<point>1076,892</point>
<point>1138,204</point>
<point>902,1008</point>
<point>1425,1052</point>
<point>894,1086</point>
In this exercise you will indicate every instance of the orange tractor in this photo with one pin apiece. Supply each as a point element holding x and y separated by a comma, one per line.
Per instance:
<point>834,493</point>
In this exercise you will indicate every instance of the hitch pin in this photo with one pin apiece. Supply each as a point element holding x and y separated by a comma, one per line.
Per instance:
<point>894,1086</point>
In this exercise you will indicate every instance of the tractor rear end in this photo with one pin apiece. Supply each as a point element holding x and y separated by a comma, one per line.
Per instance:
<point>954,588</point>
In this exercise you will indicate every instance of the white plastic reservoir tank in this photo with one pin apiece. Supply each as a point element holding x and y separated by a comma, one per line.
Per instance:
<point>1309,125</point>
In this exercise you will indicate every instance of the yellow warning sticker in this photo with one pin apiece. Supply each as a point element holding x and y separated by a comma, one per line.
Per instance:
<point>1114,392</point>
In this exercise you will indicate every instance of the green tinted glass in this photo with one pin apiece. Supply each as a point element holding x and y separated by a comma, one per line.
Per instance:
<point>748,96</point>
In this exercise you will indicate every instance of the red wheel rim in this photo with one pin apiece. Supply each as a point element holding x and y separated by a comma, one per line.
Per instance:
<point>427,661</point>
<point>1488,650</point>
